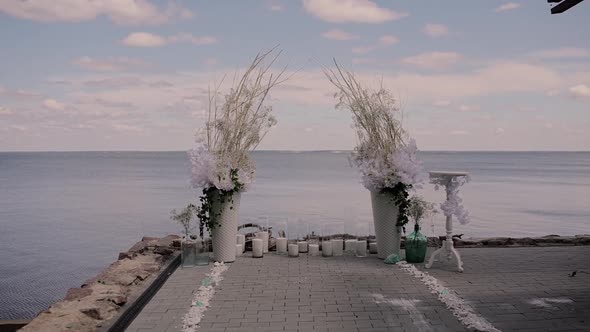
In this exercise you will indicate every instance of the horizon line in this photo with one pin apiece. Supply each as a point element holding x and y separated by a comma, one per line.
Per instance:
<point>277,150</point>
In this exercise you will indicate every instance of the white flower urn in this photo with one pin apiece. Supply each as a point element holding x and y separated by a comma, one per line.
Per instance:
<point>225,213</point>
<point>385,213</point>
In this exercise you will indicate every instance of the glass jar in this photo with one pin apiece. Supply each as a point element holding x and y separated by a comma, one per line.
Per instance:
<point>202,252</point>
<point>416,245</point>
<point>188,252</point>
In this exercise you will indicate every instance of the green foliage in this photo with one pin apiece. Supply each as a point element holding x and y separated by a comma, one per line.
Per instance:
<point>400,193</point>
<point>207,218</point>
<point>184,218</point>
<point>420,208</point>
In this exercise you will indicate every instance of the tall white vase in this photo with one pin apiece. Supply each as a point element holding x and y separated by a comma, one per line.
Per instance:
<point>224,234</point>
<point>385,213</point>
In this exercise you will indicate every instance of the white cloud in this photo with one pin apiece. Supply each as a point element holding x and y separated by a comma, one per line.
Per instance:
<point>189,38</point>
<point>338,34</point>
<point>126,128</point>
<point>354,11</point>
<point>507,6</point>
<point>108,64</point>
<point>435,30</point>
<point>459,132</point>
<point>18,127</point>
<point>563,52</point>
<point>211,61</point>
<point>433,60</point>
<point>580,91</point>
<point>383,41</point>
<point>146,39</point>
<point>126,12</point>
<point>143,39</point>
<point>53,105</point>
<point>5,111</point>
<point>441,103</point>
<point>499,131</point>
<point>275,6</point>
<point>363,60</point>
<point>468,108</point>
<point>388,40</point>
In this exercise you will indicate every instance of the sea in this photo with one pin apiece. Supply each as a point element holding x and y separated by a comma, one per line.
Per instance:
<point>65,216</point>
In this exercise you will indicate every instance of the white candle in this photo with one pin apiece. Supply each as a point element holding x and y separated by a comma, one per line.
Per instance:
<point>314,249</point>
<point>293,250</point>
<point>264,237</point>
<point>361,248</point>
<point>350,246</point>
<point>373,247</point>
<point>337,249</point>
<point>327,248</point>
<point>302,246</point>
<point>239,250</point>
<point>281,245</point>
<point>241,239</point>
<point>257,248</point>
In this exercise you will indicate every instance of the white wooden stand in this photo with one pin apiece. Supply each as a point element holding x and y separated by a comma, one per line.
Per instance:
<point>445,178</point>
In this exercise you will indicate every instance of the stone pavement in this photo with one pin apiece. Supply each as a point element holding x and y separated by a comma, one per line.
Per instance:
<point>516,289</point>
<point>165,310</point>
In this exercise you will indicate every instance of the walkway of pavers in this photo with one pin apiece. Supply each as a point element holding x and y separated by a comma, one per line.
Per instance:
<point>516,289</point>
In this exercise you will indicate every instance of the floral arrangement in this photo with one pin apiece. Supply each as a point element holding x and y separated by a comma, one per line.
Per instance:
<point>385,154</point>
<point>220,163</point>
<point>454,204</point>
<point>420,208</point>
<point>184,218</point>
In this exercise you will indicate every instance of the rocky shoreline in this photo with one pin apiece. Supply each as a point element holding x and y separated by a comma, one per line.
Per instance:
<point>100,298</point>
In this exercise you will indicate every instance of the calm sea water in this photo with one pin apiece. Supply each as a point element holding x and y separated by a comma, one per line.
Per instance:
<point>65,216</point>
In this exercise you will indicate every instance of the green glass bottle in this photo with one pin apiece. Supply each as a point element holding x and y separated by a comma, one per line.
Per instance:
<point>416,245</point>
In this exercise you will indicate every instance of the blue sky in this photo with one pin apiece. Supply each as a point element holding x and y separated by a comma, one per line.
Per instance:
<point>132,75</point>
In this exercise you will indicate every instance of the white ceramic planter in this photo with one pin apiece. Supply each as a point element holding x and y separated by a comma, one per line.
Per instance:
<point>224,235</point>
<point>384,218</point>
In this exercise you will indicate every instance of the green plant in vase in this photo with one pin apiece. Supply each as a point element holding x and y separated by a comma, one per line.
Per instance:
<point>189,247</point>
<point>416,242</point>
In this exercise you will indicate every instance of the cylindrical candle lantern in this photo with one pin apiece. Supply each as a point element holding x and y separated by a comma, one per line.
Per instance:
<point>264,237</point>
<point>282,245</point>
<point>361,248</point>
<point>337,245</point>
<point>314,249</point>
<point>239,250</point>
<point>350,246</point>
<point>293,250</point>
<point>373,247</point>
<point>241,239</point>
<point>257,248</point>
<point>327,248</point>
<point>302,246</point>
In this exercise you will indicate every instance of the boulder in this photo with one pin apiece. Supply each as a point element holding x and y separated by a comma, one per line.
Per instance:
<point>92,313</point>
<point>167,241</point>
<point>77,293</point>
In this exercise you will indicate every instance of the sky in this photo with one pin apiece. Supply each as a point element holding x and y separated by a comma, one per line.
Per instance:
<point>80,75</point>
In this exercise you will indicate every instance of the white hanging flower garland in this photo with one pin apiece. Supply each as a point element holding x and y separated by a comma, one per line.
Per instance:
<point>454,204</point>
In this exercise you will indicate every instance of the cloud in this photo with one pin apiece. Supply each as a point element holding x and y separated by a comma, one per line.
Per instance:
<point>19,94</point>
<point>580,91</point>
<point>125,12</point>
<point>146,39</point>
<point>353,11</point>
<point>211,61</point>
<point>459,132</point>
<point>113,82</point>
<point>358,61</point>
<point>108,64</point>
<point>441,103</point>
<point>143,39</point>
<point>5,111</point>
<point>338,34</point>
<point>435,30</point>
<point>499,131</point>
<point>126,128</point>
<point>563,52</point>
<point>275,6</point>
<point>383,41</point>
<point>507,6</point>
<point>468,108</point>
<point>54,105</point>
<point>433,60</point>
<point>388,40</point>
